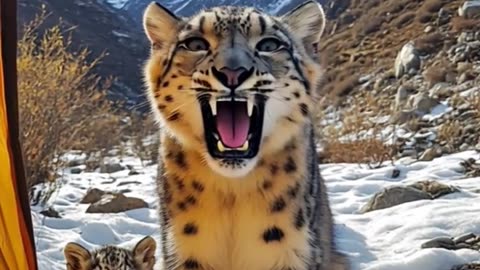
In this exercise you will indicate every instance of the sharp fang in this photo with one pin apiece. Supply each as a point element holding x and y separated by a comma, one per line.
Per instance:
<point>213,106</point>
<point>250,107</point>
<point>244,146</point>
<point>220,146</point>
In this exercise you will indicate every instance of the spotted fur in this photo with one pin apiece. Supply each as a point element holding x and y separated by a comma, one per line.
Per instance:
<point>269,212</point>
<point>142,257</point>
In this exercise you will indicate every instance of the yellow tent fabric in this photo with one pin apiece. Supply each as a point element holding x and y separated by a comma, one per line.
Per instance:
<point>17,251</point>
<point>12,249</point>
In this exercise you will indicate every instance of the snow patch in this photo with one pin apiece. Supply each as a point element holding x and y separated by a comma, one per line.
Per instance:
<point>387,239</point>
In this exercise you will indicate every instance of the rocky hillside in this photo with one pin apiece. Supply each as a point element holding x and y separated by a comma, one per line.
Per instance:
<point>407,71</point>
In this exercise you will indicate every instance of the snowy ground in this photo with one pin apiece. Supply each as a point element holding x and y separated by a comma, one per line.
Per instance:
<point>384,239</point>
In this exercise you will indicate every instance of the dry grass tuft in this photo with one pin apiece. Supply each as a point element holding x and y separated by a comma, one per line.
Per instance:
<point>370,26</point>
<point>358,139</point>
<point>450,132</point>
<point>432,6</point>
<point>405,19</point>
<point>438,73</point>
<point>429,43</point>
<point>474,101</point>
<point>372,152</point>
<point>145,140</point>
<point>460,24</point>
<point>423,17</point>
<point>344,86</point>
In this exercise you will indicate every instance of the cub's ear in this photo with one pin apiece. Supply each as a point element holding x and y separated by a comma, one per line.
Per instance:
<point>77,257</point>
<point>160,24</point>
<point>144,253</point>
<point>307,22</point>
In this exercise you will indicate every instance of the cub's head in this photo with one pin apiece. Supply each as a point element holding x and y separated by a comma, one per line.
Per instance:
<point>142,257</point>
<point>233,83</point>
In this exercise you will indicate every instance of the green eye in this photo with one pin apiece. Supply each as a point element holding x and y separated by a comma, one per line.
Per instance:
<point>195,44</point>
<point>269,45</point>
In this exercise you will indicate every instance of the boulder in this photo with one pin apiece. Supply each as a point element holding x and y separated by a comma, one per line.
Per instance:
<point>431,153</point>
<point>470,9</point>
<point>75,162</point>
<point>408,60</point>
<point>93,195</point>
<point>403,92</point>
<point>440,242</point>
<point>75,170</point>
<point>111,168</point>
<point>133,172</point>
<point>468,241</point>
<point>116,203</point>
<point>395,195</point>
<point>471,168</point>
<point>441,90</point>
<point>50,212</point>
<point>422,103</point>
<point>395,173</point>
<point>443,17</point>
<point>465,77</point>
<point>434,188</point>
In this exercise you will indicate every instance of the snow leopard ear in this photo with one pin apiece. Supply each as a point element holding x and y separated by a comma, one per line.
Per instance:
<point>160,24</point>
<point>144,252</point>
<point>307,22</point>
<point>77,257</point>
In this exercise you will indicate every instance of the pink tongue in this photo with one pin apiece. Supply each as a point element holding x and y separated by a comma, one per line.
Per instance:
<point>232,123</point>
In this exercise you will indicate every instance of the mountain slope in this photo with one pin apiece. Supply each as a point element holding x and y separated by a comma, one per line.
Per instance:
<point>189,7</point>
<point>102,29</point>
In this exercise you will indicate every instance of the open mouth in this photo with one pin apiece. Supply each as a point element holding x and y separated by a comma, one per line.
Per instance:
<point>233,126</point>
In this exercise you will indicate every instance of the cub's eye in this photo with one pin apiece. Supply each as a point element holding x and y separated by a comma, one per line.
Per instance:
<point>195,44</point>
<point>269,45</point>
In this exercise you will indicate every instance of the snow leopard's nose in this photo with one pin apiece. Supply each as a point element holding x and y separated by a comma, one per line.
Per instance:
<point>231,78</point>
<point>232,66</point>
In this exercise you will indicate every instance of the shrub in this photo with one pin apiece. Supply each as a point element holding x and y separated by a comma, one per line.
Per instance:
<point>474,100</point>
<point>450,132</point>
<point>396,6</point>
<point>367,5</point>
<point>370,151</point>
<point>405,20</point>
<point>344,86</point>
<point>432,6</point>
<point>63,104</point>
<point>438,73</point>
<point>144,136</point>
<point>429,43</point>
<point>460,24</point>
<point>424,17</point>
<point>371,25</point>
<point>356,136</point>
